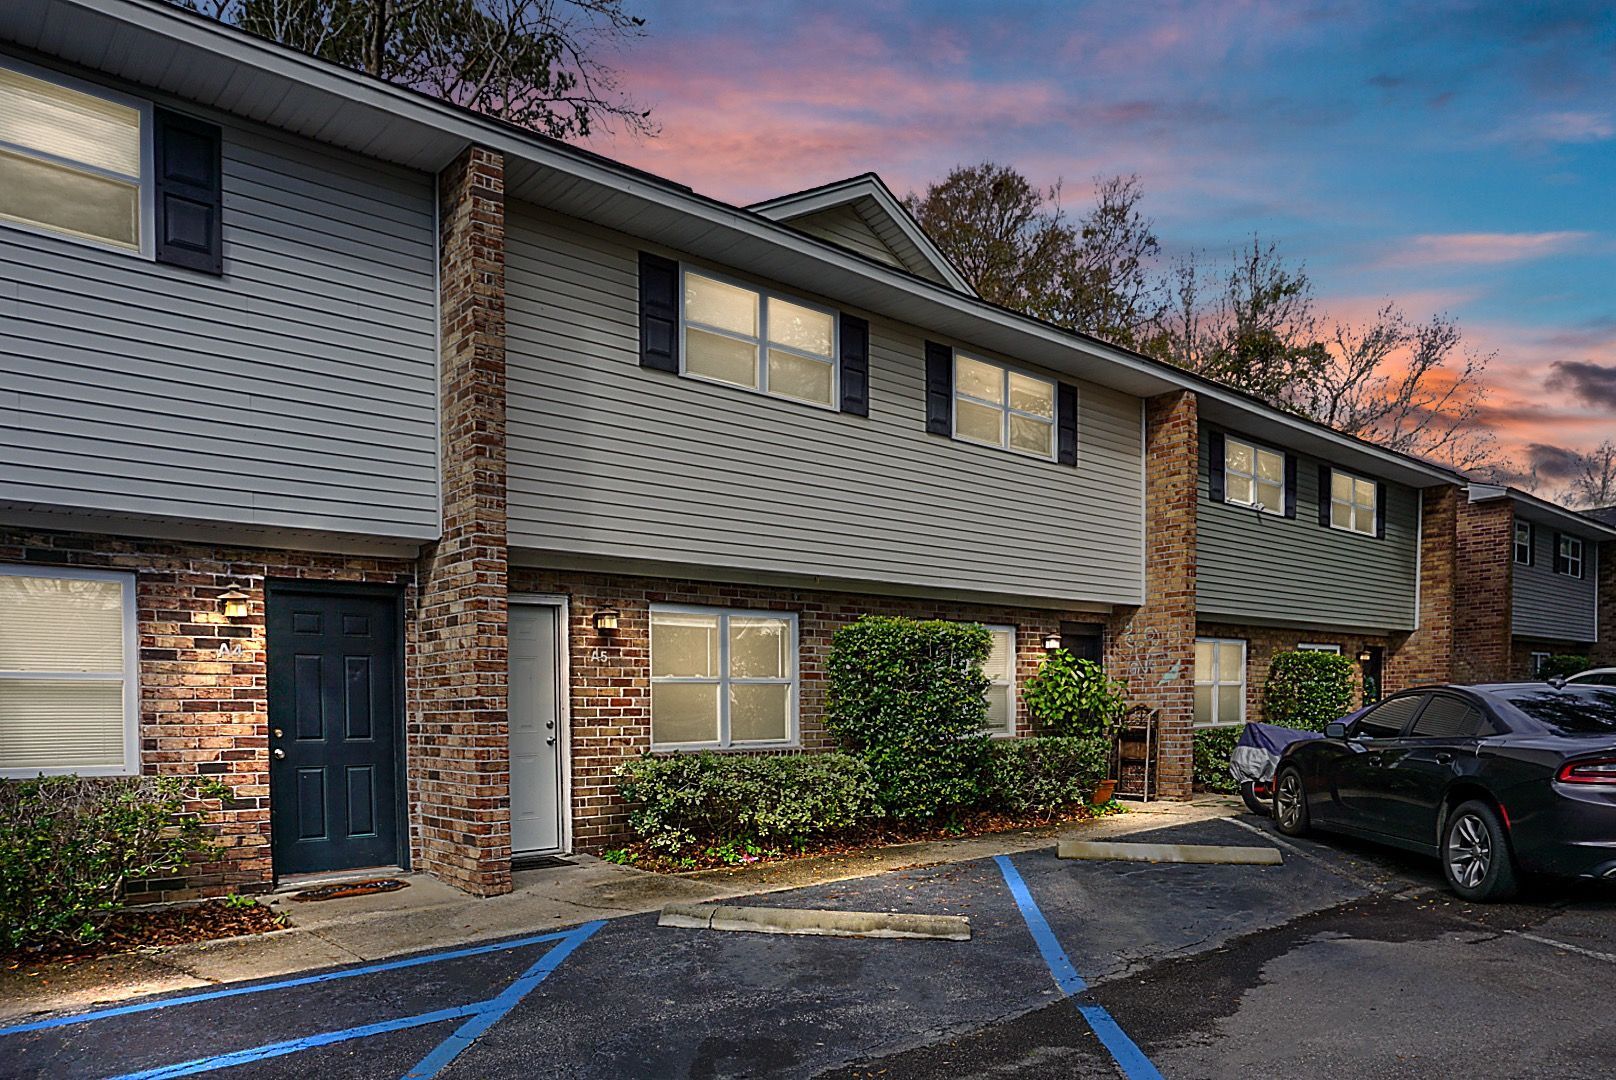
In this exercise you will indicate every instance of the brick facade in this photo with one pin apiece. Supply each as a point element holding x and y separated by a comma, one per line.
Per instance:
<point>1152,647</point>
<point>1426,655</point>
<point>459,778</point>
<point>1604,651</point>
<point>1263,642</point>
<point>611,673</point>
<point>1483,591</point>
<point>204,710</point>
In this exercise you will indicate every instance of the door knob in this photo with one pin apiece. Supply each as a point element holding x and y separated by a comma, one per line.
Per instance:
<point>278,752</point>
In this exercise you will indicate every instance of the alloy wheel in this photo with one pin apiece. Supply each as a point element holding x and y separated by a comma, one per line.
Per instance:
<point>1470,851</point>
<point>1289,798</point>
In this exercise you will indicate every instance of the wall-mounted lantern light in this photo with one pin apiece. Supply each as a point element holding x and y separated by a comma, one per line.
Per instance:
<point>235,602</point>
<point>1365,656</point>
<point>606,620</point>
<point>1052,642</point>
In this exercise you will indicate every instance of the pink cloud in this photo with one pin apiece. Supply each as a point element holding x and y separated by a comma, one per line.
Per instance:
<point>1479,248</point>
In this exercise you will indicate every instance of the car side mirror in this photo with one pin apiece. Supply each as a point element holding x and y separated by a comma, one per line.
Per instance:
<point>1335,729</point>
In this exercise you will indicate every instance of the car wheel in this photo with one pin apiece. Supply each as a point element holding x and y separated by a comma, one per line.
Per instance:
<point>1290,803</point>
<point>1248,793</point>
<point>1476,858</point>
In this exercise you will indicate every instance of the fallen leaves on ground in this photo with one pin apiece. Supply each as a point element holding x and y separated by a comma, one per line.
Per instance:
<point>131,930</point>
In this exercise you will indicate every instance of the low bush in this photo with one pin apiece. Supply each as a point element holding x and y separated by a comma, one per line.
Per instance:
<point>1041,775</point>
<point>910,699</point>
<point>1307,690</point>
<point>1070,696</point>
<point>693,801</point>
<point>70,846</point>
<point>1562,666</point>
<point>1212,747</point>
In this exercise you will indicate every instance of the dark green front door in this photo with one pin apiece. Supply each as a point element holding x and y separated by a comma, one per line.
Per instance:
<point>333,728</point>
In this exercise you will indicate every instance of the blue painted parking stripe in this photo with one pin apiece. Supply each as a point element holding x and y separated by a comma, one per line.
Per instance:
<point>306,980</point>
<point>1123,1050</point>
<point>496,1009</point>
<point>293,1046</point>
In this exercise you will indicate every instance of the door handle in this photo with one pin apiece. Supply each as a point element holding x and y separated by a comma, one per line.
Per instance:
<point>278,752</point>
<point>550,741</point>
<point>1443,757</point>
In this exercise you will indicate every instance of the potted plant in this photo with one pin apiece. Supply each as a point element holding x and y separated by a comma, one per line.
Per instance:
<point>1073,697</point>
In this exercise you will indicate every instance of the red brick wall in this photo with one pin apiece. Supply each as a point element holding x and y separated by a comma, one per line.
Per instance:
<point>1152,647</point>
<point>1604,651</point>
<point>202,713</point>
<point>611,695</point>
<point>1483,590</point>
<point>459,744</point>
<point>1263,642</point>
<point>1427,654</point>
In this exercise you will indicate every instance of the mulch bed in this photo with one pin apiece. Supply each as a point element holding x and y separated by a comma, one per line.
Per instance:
<point>141,929</point>
<point>972,823</point>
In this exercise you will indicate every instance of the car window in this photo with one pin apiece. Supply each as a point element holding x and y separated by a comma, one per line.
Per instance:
<point>1575,710</point>
<point>1449,717</point>
<point>1386,720</point>
<point>1593,678</point>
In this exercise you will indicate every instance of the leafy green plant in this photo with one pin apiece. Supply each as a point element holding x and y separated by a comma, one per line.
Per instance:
<point>695,802</point>
<point>1072,696</point>
<point>1042,775</point>
<point>619,855</point>
<point>1212,747</point>
<point>1307,690</point>
<point>909,698</point>
<point>239,902</point>
<point>70,846</point>
<point>1563,665</point>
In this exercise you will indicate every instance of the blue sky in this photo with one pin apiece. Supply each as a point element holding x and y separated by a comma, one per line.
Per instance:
<point>1454,157</point>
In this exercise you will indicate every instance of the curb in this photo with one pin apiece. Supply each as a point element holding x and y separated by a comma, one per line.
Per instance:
<point>1169,853</point>
<point>866,924</point>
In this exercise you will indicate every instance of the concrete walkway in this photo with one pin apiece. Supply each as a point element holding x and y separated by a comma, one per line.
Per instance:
<point>431,915</point>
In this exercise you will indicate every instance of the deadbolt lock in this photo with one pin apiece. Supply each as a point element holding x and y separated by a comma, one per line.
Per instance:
<point>278,733</point>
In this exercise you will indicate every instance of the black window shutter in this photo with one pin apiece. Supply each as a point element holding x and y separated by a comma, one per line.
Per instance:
<point>939,389</point>
<point>659,313</point>
<point>855,365</point>
<point>1215,460</point>
<point>189,193</point>
<point>1290,485</point>
<point>1324,495</point>
<point>1380,510</point>
<point>1066,424</point>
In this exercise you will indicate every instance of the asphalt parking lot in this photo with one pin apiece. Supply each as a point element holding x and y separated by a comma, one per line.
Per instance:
<point>1344,959</point>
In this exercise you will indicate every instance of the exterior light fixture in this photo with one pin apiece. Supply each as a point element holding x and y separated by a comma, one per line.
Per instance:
<point>1052,642</point>
<point>1365,656</point>
<point>235,602</point>
<point>606,620</point>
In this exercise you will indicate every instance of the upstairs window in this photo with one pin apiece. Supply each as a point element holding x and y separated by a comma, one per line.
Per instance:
<point>746,337</point>
<point>1253,475</point>
<point>1523,543</point>
<point>999,407</point>
<point>722,678</point>
<point>1568,556</point>
<point>72,162</point>
<point>1352,503</point>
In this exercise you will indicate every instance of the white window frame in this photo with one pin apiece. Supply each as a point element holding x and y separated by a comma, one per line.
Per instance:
<point>1374,507</point>
<point>1536,662</point>
<point>130,676</point>
<point>1005,410</point>
<point>1317,646</point>
<point>1217,681</point>
<point>1008,732</point>
<point>1520,545</point>
<point>1572,543</point>
<point>762,343</point>
<point>147,247</point>
<point>1256,449</point>
<point>723,680</point>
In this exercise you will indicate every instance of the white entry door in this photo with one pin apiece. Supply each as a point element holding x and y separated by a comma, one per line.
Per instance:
<point>535,725</point>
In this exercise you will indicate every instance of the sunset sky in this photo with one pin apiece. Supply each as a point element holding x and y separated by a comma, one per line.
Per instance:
<point>1460,158</point>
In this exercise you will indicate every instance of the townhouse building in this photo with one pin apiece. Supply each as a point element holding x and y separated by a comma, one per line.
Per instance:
<point>410,472</point>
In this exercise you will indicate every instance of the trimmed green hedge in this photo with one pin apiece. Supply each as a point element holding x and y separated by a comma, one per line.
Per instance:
<point>1307,690</point>
<point>1044,774</point>
<point>1563,666</point>
<point>909,698</point>
<point>687,801</point>
<point>70,846</point>
<point>1212,749</point>
<point>1070,696</point>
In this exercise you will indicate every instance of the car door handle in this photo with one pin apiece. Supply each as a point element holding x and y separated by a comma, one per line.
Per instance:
<point>1443,757</point>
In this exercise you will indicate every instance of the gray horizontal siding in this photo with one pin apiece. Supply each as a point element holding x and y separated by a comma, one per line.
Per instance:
<point>1555,606</point>
<point>298,391</point>
<point>843,225</point>
<point>1269,568</point>
<point>611,460</point>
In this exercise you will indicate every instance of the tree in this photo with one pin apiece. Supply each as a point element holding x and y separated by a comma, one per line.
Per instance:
<point>535,63</point>
<point>1594,481</point>
<point>1015,244</point>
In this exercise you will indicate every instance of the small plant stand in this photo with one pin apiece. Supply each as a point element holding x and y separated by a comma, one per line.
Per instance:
<point>1133,755</point>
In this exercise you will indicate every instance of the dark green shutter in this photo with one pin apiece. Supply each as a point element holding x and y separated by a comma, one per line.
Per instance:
<point>1066,424</point>
<point>189,192</point>
<point>855,364</point>
<point>939,389</point>
<point>659,313</point>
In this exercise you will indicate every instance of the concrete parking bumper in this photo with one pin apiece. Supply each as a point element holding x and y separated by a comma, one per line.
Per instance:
<point>1096,850</point>
<point>818,922</point>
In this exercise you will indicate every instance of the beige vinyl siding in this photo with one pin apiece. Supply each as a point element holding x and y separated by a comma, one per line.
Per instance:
<point>1555,606</point>
<point>843,225</point>
<point>614,461</point>
<point>297,391</point>
<point>1266,568</point>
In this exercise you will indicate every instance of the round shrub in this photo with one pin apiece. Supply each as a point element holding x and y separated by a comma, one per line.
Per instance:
<point>1042,775</point>
<point>910,699</point>
<point>1307,690</point>
<point>1071,696</point>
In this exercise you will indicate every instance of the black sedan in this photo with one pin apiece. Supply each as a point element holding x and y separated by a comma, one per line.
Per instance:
<point>1494,780</point>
